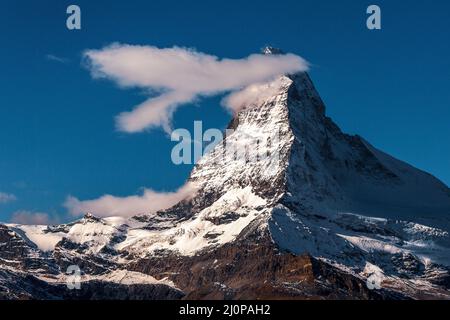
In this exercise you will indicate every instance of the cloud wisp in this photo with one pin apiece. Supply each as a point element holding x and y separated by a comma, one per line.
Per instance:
<point>52,57</point>
<point>7,197</point>
<point>149,202</point>
<point>175,76</point>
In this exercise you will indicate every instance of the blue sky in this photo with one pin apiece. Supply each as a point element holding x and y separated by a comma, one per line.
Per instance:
<point>57,130</point>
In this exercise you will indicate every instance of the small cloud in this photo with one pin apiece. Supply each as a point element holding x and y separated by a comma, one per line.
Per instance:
<point>7,197</point>
<point>32,218</point>
<point>149,202</point>
<point>52,57</point>
<point>179,76</point>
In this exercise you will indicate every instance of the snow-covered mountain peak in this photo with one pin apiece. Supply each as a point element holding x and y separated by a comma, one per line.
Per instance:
<point>327,190</point>
<point>255,150</point>
<point>271,50</point>
<point>257,147</point>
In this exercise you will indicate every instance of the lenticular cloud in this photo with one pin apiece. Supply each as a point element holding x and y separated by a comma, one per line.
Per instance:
<point>175,76</point>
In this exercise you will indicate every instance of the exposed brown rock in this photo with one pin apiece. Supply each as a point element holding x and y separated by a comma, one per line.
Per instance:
<point>255,270</point>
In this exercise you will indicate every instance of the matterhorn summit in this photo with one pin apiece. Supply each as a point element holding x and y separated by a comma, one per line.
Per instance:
<point>307,212</point>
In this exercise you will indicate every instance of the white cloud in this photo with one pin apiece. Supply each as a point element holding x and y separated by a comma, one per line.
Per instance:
<point>149,202</point>
<point>7,197</point>
<point>254,94</point>
<point>179,75</point>
<point>155,111</point>
<point>31,218</point>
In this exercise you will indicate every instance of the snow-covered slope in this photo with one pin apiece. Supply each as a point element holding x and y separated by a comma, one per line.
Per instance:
<point>287,172</point>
